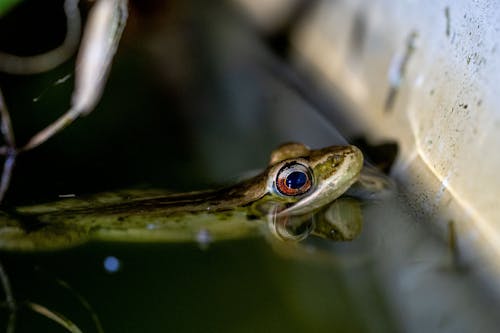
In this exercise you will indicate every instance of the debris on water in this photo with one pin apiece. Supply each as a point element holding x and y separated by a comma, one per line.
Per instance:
<point>69,195</point>
<point>204,238</point>
<point>112,264</point>
<point>310,249</point>
<point>151,226</point>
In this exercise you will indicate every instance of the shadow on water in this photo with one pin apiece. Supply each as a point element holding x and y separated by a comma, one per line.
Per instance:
<point>187,106</point>
<point>233,285</point>
<point>380,281</point>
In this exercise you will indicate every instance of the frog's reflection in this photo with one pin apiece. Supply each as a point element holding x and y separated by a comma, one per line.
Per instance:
<point>341,220</point>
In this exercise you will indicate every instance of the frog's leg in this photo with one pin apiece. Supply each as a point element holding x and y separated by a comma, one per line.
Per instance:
<point>371,185</point>
<point>342,220</point>
<point>22,234</point>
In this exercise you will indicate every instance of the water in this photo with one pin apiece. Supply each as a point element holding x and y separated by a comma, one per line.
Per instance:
<point>429,289</point>
<point>233,286</point>
<point>191,109</point>
<point>395,277</point>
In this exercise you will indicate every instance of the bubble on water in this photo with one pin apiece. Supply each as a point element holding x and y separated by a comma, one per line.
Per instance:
<point>310,249</point>
<point>204,238</point>
<point>112,264</point>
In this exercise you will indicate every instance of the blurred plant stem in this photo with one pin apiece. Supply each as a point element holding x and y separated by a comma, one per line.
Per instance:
<point>40,63</point>
<point>102,34</point>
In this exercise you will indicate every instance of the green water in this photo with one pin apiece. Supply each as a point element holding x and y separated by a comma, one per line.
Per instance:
<point>234,286</point>
<point>396,277</point>
<point>188,105</point>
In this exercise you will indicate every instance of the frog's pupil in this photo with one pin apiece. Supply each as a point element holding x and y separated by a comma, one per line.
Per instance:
<point>296,180</point>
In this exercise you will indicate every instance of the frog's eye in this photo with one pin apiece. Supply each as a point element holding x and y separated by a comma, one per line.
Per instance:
<point>293,179</point>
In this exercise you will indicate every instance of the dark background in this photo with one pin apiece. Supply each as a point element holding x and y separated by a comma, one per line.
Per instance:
<point>194,99</point>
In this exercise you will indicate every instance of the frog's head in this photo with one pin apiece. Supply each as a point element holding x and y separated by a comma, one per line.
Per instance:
<point>306,179</point>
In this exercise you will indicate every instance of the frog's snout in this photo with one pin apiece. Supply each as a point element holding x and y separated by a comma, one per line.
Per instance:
<point>356,157</point>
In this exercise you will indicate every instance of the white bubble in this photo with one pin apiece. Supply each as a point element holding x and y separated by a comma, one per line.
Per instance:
<point>204,238</point>
<point>151,226</point>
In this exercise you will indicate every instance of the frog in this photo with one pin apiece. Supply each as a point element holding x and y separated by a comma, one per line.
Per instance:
<point>298,183</point>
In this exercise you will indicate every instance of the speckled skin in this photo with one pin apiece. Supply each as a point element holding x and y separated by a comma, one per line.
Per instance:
<point>157,216</point>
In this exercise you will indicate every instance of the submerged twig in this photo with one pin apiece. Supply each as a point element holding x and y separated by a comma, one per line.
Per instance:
<point>24,65</point>
<point>6,127</point>
<point>84,303</point>
<point>8,167</point>
<point>42,310</point>
<point>51,130</point>
<point>9,150</point>
<point>9,298</point>
<point>54,316</point>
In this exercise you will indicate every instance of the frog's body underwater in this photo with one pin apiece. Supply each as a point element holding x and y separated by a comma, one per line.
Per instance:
<point>297,183</point>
